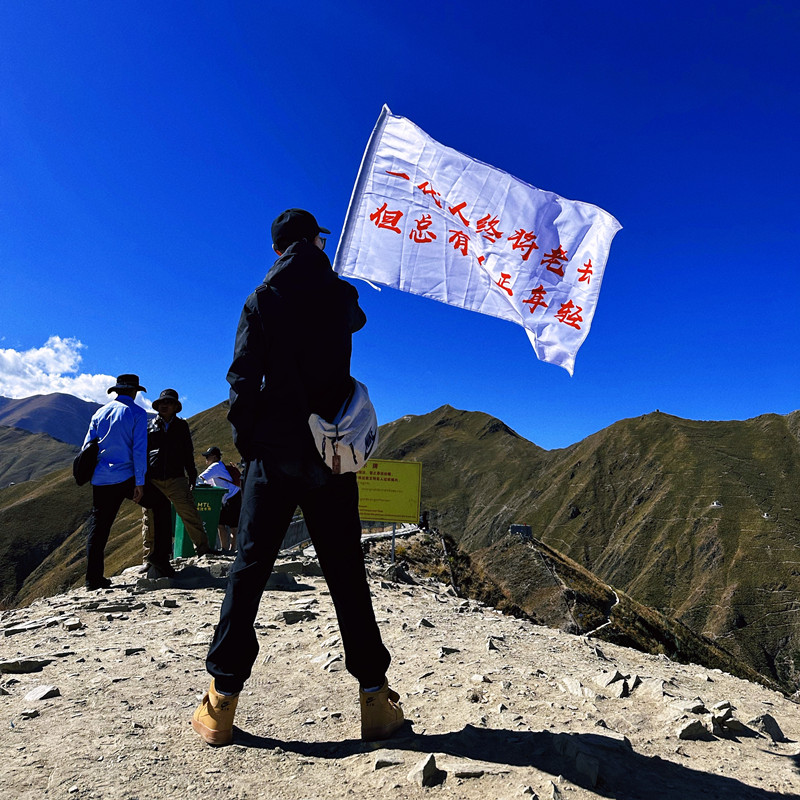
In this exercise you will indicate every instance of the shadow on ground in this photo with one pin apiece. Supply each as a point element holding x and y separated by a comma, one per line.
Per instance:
<point>191,576</point>
<point>623,773</point>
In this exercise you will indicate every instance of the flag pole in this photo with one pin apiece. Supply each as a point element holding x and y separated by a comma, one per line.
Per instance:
<point>369,154</point>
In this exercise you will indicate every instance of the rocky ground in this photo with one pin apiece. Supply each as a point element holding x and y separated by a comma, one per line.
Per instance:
<point>99,689</point>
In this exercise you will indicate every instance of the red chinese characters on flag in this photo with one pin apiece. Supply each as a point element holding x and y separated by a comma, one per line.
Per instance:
<point>428,189</point>
<point>421,232</point>
<point>537,298</point>
<point>570,314</point>
<point>503,283</point>
<point>384,218</point>
<point>525,241</point>
<point>460,241</point>
<point>487,227</point>
<point>456,210</point>
<point>467,237</point>
<point>555,260</point>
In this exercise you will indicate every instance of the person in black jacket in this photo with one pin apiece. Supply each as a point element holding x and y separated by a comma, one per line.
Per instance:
<point>291,359</point>
<point>171,470</point>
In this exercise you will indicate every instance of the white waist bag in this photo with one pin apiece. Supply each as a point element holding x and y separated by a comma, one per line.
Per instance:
<point>345,443</point>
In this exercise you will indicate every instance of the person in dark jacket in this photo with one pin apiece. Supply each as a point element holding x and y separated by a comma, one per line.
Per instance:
<point>292,359</point>
<point>172,471</point>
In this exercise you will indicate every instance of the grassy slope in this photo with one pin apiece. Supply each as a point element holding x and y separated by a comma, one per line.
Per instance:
<point>560,593</point>
<point>51,513</point>
<point>472,462</point>
<point>644,492</point>
<point>568,591</point>
<point>633,504</point>
<point>36,517</point>
<point>29,455</point>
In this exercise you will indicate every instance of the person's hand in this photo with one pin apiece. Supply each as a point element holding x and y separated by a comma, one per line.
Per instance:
<point>138,493</point>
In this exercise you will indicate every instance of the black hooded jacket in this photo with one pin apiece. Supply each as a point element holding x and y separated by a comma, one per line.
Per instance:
<point>292,359</point>
<point>170,453</point>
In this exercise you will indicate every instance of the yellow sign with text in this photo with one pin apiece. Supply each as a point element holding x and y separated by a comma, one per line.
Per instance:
<point>389,491</point>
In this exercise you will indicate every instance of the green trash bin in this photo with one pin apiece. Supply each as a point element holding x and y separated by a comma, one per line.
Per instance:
<point>208,500</point>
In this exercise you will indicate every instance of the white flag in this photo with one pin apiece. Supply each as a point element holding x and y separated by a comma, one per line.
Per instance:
<point>429,220</point>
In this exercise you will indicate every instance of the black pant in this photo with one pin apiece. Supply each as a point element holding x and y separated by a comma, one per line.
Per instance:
<point>230,512</point>
<point>331,514</point>
<point>106,501</point>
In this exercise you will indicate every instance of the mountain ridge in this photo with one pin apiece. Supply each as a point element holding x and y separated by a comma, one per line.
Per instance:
<point>35,455</point>
<point>62,416</point>
<point>669,512</point>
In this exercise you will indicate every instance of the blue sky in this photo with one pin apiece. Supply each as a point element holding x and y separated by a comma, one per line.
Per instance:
<point>146,147</point>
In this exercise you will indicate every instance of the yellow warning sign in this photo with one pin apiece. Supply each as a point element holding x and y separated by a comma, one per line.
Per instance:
<point>389,491</point>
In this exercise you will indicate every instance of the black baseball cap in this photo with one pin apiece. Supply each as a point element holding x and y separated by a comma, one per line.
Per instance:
<point>294,225</point>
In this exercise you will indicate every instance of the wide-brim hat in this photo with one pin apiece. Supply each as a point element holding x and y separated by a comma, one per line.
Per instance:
<point>168,394</point>
<point>126,383</point>
<point>294,225</point>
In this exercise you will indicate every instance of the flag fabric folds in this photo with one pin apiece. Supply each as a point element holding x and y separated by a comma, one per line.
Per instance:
<point>426,219</point>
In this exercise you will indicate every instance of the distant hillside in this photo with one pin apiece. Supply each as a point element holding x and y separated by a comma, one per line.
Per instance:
<point>559,593</point>
<point>36,518</point>
<point>695,524</point>
<point>28,455</point>
<point>697,519</point>
<point>211,428</point>
<point>61,416</point>
<point>49,513</point>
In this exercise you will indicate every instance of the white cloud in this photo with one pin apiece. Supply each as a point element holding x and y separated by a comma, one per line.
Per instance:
<point>53,368</point>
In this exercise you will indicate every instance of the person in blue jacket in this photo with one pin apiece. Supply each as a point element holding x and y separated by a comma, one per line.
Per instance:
<point>121,429</point>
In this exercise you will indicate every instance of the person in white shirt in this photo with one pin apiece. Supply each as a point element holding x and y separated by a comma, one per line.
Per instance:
<point>216,474</point>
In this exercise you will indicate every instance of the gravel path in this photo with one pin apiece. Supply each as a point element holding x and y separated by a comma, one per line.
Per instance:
<point>505,708</point>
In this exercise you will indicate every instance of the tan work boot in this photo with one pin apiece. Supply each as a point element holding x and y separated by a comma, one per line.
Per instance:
<point>213,719</point>
<point>381,714</point>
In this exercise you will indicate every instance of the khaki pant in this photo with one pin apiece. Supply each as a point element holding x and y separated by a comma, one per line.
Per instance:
<point>176,490</point>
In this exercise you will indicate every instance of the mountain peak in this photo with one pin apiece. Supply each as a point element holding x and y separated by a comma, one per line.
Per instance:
<point>62,416</point>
